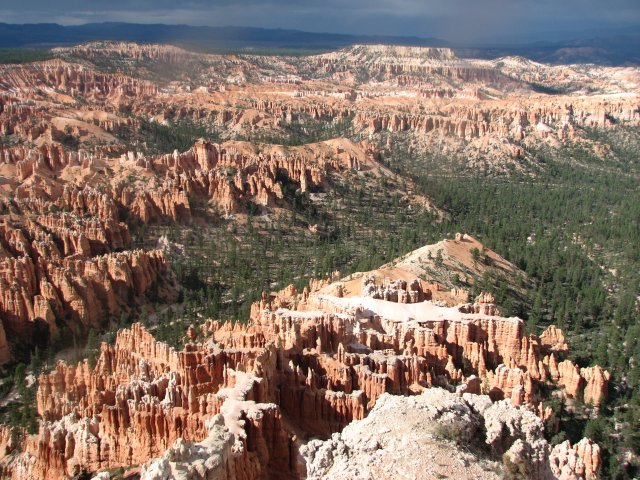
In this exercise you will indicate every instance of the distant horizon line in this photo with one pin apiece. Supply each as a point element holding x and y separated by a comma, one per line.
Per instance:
<point>438,42</point>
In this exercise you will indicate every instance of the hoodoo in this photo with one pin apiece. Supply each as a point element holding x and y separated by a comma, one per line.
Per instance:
<point>244,401</point>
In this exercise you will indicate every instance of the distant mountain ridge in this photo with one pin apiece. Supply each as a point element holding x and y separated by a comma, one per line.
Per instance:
<point>27,35</point>
<point>621,48</point>
<point>614,50</point>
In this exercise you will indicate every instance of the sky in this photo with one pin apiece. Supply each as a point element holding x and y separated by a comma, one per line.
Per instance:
<point>480,21</point>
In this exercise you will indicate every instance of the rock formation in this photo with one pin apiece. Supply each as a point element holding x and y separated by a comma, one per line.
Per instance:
<point>143,396</point>
<point>580,461</point>
<point>240,401</point>
<point>63,261</point>
<point>64,247</point>
<point>73,79</point>
<point>320,359</point>
<point>489,110</point>
<point>427,436</point>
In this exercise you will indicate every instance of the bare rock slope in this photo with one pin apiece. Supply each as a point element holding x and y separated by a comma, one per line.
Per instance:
<point>439,434</point>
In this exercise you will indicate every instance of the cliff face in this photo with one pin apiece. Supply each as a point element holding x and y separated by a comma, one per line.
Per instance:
<point>320,359</point>
<point>151,189</point>
<point>64,247</point>
<point>423,345</point>
<point>63,261</point>
<point>531,122</point>
<point>42,289</point>
<point>72,78</point>
<point>143,396</point>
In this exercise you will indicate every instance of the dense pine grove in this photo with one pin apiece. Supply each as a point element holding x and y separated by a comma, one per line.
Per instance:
<point>574,229</point>
<point>156,138</point>
<point>24,55</point>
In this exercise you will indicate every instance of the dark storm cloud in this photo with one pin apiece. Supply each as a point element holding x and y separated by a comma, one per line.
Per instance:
<point>461,20</point>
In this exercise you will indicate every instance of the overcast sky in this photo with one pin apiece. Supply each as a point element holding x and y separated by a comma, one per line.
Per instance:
<point>453,20</point>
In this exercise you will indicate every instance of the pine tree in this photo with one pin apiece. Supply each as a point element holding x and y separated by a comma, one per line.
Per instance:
<point>91,348</point>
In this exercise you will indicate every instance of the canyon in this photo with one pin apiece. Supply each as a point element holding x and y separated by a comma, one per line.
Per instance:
<point>126,168</point>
